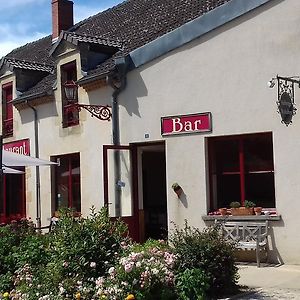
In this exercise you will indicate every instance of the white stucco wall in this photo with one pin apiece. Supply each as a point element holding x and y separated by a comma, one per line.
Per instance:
<point>87,138</point>
<point>224,72</point>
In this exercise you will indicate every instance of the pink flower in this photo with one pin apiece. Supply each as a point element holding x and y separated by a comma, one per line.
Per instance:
<point>128,267</point>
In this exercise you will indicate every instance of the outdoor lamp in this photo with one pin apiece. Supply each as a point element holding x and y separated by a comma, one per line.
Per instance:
<point>101,112</point>
<point>71,91</point>
<point>286,106</point>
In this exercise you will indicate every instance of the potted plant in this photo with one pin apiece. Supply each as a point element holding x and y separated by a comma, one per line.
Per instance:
<point>235,207</point>
<point>177,189</point>
<point>249,207</point>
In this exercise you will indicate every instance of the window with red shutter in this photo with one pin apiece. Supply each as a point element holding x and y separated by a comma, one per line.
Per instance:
<point>69,112</point>
<point>7,110</point>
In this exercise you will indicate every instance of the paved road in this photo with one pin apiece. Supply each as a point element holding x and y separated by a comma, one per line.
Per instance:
<point>270,282</point>
<point>274,294</point>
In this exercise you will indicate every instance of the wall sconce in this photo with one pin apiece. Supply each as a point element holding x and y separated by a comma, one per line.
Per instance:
<point>285,97</point>
<point>101,112</point>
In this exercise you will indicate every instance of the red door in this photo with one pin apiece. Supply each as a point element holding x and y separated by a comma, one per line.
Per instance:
<point>119,188</point>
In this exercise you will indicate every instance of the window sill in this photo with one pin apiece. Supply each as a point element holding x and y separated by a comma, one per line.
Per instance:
<point>242,218</point>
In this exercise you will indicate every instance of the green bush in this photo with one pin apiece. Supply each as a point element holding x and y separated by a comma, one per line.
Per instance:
<point>13,237</point>
<point>192,284</point>
<point>77,252</point>
<point>209,252</point>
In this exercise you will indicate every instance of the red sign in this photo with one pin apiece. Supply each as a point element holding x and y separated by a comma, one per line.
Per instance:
<point>20,147</point>
<point>186,124</point>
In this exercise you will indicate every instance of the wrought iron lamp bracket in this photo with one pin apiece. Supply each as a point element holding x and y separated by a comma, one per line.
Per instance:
<point>286,106</point>
<point>101,112</point>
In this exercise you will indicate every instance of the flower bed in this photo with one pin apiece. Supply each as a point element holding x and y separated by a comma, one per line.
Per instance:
<point>92,259</point>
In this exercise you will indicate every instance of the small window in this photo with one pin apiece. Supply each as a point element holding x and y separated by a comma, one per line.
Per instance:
<point>67,182</point>
<point>241,168</point>
<point>7,110</point>
<point>69,112</point>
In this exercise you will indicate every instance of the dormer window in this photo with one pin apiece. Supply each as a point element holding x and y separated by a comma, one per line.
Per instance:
<point>7,110</point>
<point>69,112</point>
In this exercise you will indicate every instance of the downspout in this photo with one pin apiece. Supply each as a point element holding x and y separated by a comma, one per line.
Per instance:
<point>118,82</point>
<point>37,168</point>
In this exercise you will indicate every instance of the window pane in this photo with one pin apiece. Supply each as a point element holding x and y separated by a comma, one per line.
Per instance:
<point>228,190</point>
<point>227,156</point>
<point>260,189</point>
<point>75,171</point>
<point>68,182</point>
<point>259,152</point>
<point>62,179</point>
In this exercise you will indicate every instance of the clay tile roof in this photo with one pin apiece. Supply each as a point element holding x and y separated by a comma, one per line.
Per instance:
<point>130,25</point>
<point>37,52</point>
<point>75,38</point>
<point>23,64</point>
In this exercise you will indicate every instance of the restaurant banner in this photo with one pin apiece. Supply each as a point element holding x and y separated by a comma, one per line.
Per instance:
<point>186,124</point>
<point>20,147</point>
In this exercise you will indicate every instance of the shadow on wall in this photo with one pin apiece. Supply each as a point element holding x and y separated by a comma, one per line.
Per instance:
<point>135,89</point>
<point>43,111</point>
<point>183,200</point>
<point>274,255</point>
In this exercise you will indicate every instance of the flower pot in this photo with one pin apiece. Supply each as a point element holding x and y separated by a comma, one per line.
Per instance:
<point>223,211</point>
<point>178,191</point>
<point>258,210</point>
<point>242,211</point>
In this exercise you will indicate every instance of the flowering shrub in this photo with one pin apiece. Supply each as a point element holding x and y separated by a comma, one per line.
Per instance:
<point>144,272</point>
<point>65,262</point>
<point>208,251</point>
<point>91,259</point>
<point>18,244</point>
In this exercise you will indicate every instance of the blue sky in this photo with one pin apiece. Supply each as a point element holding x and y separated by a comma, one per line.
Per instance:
<point>23,21</point>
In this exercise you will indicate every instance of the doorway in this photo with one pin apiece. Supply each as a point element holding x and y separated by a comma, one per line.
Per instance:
<point>152,191</point>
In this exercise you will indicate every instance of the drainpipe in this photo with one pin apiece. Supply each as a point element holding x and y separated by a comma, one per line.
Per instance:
<point>37,168</point>
<point>118,82</point>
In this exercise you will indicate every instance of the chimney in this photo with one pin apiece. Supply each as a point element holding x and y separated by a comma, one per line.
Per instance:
<point>62,17</point>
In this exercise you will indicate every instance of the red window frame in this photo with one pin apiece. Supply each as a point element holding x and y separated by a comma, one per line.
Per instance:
<point>7,109</point>
<point>69,112</point>
<point>69,186</point>
<point>240,170</point>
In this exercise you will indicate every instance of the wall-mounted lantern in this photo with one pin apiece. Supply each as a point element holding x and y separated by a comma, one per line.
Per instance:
<point>285,97</point>
<point>101,112</point>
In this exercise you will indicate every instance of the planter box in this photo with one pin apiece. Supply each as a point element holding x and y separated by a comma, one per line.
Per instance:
<point>242,211</point>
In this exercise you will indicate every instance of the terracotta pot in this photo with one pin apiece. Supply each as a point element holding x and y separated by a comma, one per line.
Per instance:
<point>242,211</point>
<point>178,191</point>
<point>223,211</point>
<point>258,210</point>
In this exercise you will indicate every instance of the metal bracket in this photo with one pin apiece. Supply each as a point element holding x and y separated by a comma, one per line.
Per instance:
<point>101,112</point>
